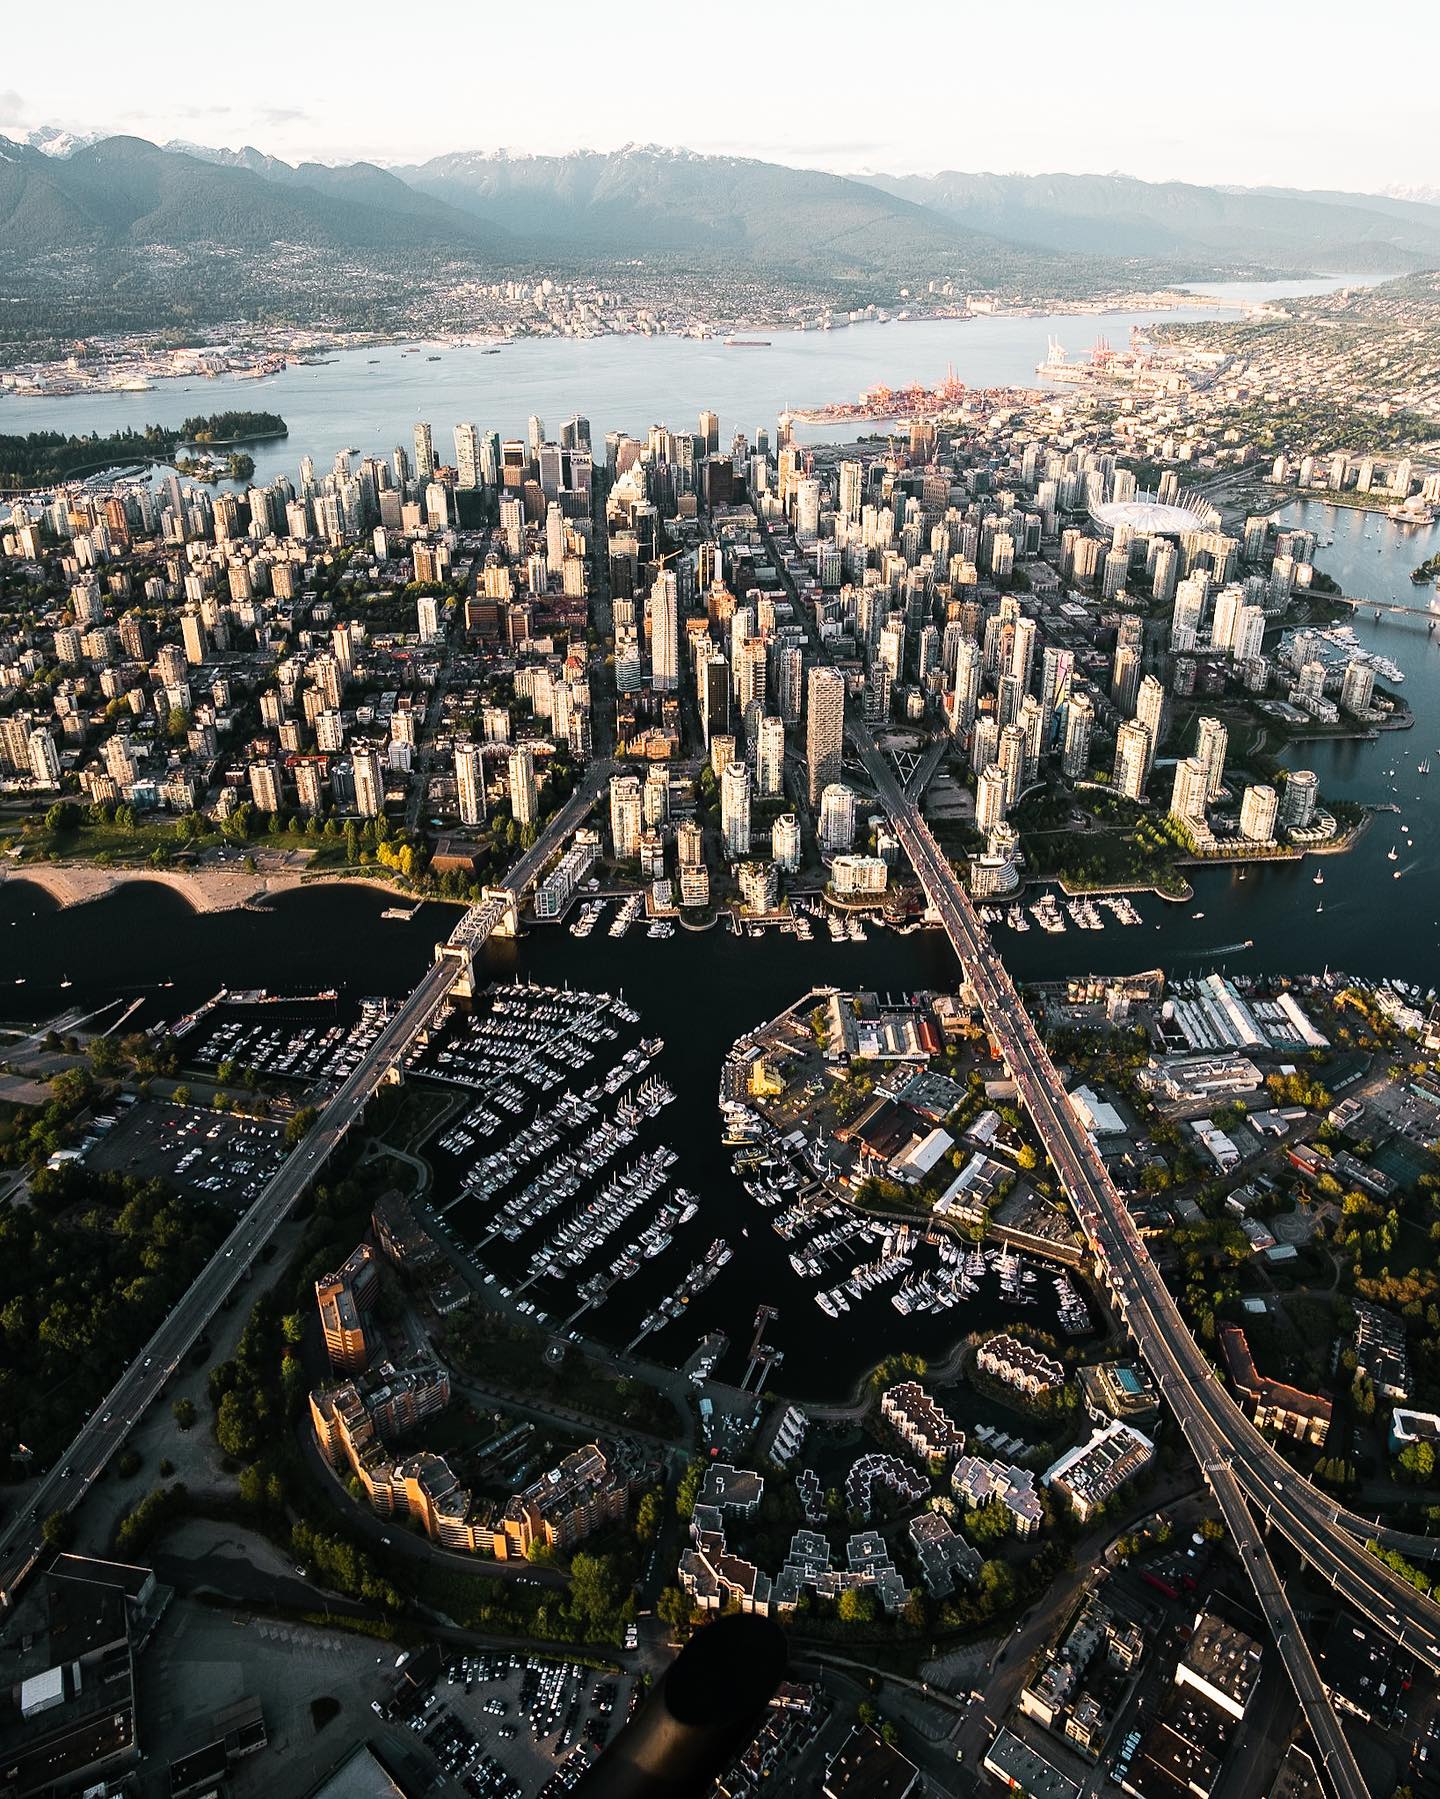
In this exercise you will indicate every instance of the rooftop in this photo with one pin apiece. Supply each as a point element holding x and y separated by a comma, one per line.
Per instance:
<point>1148,518</point>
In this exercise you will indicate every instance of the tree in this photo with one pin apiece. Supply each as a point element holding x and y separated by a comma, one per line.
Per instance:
<point>236,1427</point>
<point>648,1516</point>
<point>672,1608</point>
<point>594,1589</point>
<point>855,1606</point>
<point>300,1126</point>
<point>988,1523</point>
<point>688,1490</point>
<point>58,1530</point>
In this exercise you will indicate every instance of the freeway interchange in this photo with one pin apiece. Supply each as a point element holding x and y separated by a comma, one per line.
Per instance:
<point>1242,1469</point>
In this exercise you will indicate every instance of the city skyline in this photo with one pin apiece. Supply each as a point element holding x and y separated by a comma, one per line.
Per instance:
<point>1032,125</point>
<point>703,970</point>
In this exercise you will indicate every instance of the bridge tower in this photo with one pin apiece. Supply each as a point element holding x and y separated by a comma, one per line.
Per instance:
<point>464,955</point>
<point>509,925</point>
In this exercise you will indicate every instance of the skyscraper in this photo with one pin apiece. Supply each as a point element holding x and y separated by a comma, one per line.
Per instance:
<point>807,507</point>
<point>467,456</point>
<point>991,801</point>
<point>1187,796</point>
<point>1132,759</point>
<point>627,816</point>
<point>369,783</point>
<point>1211,739</point>
<point>824,729</point>
<point>967,686</point>
<point>714,681</point>
<point>1011,761</point>
<point>1057,671</point>
<point>665,633</point>
<point>1259,807</point>
<point>851,489</point>
<point>424,453</point>
<point>524,799</point>
<point>1022,652</point>
<point>836,828</point>
<point>770,758</point>
<point>470,783</point>
<point>785,842</point>
<point>1301,796</point>
<point>735,810</point>
<point>44,758</point>
<point>1150,709</point>
<point>1125,680</point>
<point>265,786</point>
<point>984,744</point>
<point>1079,723</point>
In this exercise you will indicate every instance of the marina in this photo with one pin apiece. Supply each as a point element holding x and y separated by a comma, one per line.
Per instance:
<point>556,1176</point>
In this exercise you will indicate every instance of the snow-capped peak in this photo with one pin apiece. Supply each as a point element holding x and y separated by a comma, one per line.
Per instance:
<point>54,140</point>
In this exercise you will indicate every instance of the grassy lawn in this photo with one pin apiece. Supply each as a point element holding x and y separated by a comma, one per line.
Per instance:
<point>117,844</point>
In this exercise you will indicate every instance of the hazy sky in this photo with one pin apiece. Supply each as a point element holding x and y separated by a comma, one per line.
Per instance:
<point>1239,91</point>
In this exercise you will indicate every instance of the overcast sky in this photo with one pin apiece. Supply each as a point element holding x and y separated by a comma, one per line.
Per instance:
<point>1239,91</point>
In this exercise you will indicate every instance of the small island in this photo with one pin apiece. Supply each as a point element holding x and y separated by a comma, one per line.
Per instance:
<point>216,429</point>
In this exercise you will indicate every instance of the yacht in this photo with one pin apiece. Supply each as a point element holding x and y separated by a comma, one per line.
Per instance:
<point>1319,878</point>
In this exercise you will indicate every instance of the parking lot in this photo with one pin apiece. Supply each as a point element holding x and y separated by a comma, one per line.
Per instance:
<point>510,1727</point>
<point>210,1155</point>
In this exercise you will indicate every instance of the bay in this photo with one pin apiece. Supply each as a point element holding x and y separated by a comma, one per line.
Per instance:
<point>370,399</point>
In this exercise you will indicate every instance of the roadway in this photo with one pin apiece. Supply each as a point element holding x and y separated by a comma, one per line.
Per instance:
<point>1242,1469</point>
<point>104,1432</point>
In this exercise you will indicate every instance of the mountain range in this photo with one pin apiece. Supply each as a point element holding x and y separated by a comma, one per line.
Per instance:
<point>1116,215</point>
<point>112,228</point>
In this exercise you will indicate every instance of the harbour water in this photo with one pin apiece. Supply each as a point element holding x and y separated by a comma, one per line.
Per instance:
<point>369,399</point>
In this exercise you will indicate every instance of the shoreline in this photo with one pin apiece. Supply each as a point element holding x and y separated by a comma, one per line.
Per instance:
<point>206,890</point>
<point>1163,300</point>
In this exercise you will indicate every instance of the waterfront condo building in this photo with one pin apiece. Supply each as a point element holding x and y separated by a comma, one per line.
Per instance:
<point>345,1299</point>
<point>1259,808</point>
<point>1132,759</point>
<point>735,810</point>
<point>369,776</point>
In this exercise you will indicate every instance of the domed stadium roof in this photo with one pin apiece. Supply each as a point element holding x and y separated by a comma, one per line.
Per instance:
<point>1150,518</point>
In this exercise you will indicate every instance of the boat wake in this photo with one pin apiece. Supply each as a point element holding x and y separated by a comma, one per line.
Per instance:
<point>1219,949</point>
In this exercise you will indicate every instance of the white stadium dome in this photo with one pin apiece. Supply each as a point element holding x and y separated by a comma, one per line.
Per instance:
<point>1145,517</point>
